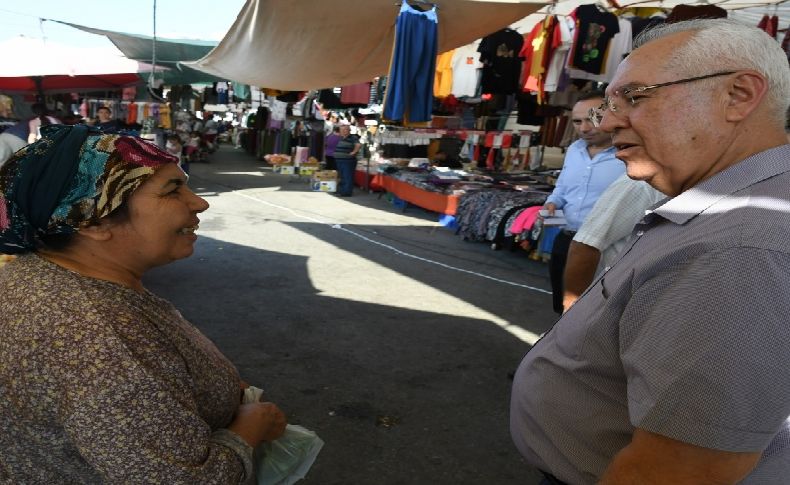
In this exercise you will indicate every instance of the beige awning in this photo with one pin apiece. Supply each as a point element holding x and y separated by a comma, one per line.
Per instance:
<point>298,45</point>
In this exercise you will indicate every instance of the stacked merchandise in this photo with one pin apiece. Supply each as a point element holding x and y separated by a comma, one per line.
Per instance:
<point>282,164</point>
<point>487,215</point>
<point>324,181</point>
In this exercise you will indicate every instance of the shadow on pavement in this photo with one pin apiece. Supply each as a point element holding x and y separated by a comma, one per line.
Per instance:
<point>399,396</point>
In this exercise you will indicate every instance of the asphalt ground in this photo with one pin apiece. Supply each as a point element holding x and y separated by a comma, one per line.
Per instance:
<point>382,331</point>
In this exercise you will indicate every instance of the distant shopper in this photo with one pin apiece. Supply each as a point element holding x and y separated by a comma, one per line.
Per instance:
<point>346,159</point>
<point>210,131</point>
<point>12,139</point>
<point>106,123</point>
<point>42,118</point>
<point>175,148</point>
<point>329,148</point>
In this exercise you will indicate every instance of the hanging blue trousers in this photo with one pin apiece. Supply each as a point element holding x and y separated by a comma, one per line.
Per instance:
<point>410,82</point>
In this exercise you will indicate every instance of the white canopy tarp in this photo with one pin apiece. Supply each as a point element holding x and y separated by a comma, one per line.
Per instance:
<point>308,44</point>
<point>26,56</point>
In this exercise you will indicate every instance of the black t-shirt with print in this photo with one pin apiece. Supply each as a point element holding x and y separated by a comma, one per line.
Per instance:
<point>499,53</point>
<point>595,28</point>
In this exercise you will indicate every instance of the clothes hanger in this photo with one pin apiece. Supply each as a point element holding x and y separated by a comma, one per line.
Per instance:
<point>420,2</point>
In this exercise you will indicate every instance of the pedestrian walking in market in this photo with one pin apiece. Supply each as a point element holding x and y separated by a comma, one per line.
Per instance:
<point>102,381</point>
<point>672,367</point>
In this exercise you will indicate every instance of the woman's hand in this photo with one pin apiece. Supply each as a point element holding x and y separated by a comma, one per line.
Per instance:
<point>257,422</point>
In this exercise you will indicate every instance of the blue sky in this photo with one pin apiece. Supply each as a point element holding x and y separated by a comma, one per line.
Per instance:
<point>189,19</point>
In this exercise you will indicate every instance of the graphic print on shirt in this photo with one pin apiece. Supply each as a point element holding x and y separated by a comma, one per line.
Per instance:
<point>594,31</point>
<point>589,48</point>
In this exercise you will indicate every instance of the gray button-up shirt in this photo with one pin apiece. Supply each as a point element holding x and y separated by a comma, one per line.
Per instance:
<point>687,336</point>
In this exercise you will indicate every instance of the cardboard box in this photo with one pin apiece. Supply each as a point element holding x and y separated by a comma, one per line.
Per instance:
<point>324,185</point>
<point>308,169</point>
<point>325,175</point>
<point>284,169</point>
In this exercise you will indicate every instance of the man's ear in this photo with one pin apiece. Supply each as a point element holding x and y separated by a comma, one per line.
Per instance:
<point>98,232</point>
<point>746,92</point>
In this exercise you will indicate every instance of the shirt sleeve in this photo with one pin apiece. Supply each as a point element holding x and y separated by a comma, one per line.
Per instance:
<point>137,424</point>
<point>706,359</point>
<point>616,212</point>
<point>557,196</point>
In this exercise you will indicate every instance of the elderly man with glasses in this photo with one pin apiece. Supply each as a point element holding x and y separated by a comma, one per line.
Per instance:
<point>672,367</point>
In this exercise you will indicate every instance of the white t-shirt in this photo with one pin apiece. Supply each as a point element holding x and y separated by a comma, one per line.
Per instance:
<point>465,64</point>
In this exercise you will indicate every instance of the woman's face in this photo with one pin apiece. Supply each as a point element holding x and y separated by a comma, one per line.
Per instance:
<point>345,130</point>
<point>162,220</point>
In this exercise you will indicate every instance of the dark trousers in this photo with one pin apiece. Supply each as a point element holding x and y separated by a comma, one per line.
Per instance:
<point>346,168</point>
<point>330,162</point>
<point>559,255</point>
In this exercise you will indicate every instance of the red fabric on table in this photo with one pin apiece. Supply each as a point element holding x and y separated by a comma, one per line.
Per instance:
<point>359,181</point>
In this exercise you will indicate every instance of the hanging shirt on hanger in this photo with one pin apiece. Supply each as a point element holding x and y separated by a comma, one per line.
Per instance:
<point>556,70</point>
<point>537,52</point>
<point>355,94</point>
<point>769,24</point>
<point>594,29</point>
<point>443,79</point>
<point>620,45</point>
<point>466,71</point>
<point>500,55</point>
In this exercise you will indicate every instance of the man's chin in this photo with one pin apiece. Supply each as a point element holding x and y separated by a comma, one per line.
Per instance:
<point>638,170</point>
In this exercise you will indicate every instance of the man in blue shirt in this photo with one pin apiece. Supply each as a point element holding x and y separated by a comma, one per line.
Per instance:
<point>589,168</point>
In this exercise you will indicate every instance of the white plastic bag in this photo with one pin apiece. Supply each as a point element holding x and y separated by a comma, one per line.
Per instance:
<point>286,460</point>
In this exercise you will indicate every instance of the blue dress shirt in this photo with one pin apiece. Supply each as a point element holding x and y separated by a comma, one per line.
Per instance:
<point>583,180</point>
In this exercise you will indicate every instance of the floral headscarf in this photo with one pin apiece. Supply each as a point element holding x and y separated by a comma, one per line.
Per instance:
<point>72,177</point>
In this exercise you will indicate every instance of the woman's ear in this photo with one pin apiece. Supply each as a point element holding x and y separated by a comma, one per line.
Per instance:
<point>97,232</point>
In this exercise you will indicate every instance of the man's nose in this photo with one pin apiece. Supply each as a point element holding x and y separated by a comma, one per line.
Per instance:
<point>610,122</point>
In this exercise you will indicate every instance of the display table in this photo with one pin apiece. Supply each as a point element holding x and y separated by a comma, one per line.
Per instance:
<point>433,201</point>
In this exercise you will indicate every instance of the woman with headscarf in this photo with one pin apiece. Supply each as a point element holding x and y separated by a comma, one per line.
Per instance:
<point>100,380</point>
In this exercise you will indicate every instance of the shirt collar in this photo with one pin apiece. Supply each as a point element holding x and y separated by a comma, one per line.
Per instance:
<point>743,174</point>
<point>581,145</point>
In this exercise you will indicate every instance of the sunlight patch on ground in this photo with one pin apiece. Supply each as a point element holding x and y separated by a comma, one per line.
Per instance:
<point>338,273</point>
<point>256,174</point>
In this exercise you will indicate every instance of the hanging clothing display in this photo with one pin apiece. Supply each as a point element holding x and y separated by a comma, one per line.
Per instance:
<point>639,24</point>
<point>690,12</point>
<point>410,86</point>
<point>556,76</point>
<point>466,71</point>
<point>500,55</point>
<point>619,47</point>
<point>443,80</point>
<point>769,24</point>
<point>594,29</point>
<point>355,94</point>
<point>538,51</point>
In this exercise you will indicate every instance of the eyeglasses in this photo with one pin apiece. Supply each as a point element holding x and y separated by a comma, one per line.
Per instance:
<point>616,103</point>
